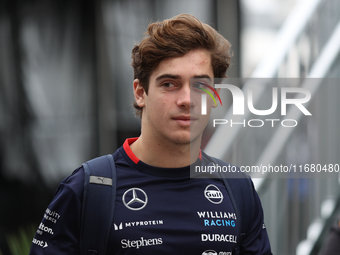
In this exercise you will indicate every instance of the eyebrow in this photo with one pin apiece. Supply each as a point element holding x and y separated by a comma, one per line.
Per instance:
<point>202,76</point>
<point>175,77</point>
<point>171,76</point>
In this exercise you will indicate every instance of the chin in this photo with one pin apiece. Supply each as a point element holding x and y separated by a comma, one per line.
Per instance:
<point>187,139</point>
<point>182,139</point>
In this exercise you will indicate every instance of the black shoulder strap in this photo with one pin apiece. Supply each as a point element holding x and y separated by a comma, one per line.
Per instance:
<point>241,193</point>
<point>98,205</point>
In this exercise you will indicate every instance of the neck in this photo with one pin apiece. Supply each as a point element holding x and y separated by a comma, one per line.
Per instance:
<point>164,153</point>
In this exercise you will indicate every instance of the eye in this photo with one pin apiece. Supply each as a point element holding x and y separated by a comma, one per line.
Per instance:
<point>168,85</point>
<point>199,85</point>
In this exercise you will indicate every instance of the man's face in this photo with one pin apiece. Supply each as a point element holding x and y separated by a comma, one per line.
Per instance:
<point>172,107</point>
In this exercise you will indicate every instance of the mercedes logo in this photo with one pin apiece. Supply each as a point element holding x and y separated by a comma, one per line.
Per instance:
<point>135,199</point>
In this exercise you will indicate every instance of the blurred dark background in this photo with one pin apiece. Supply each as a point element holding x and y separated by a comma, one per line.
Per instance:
<point>66,97</point>
<point>66,89</point>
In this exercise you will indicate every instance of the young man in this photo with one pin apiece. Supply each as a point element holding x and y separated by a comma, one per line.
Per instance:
<point>159,209</point>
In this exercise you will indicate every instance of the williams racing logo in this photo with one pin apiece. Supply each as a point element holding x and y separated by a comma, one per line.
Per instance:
<point>218,219</point>
<point>213,194</point>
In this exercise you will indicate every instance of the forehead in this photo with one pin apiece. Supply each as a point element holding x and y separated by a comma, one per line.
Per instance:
<point>194,63</point>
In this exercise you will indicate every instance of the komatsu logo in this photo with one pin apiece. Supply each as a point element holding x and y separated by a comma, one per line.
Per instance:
<point>213,194</point>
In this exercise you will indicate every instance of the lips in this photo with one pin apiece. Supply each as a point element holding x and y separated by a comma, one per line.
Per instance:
<point>184,120</point>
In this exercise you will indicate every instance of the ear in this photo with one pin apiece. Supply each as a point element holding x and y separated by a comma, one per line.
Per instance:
<point>216,98</point>
<point>139,93</point>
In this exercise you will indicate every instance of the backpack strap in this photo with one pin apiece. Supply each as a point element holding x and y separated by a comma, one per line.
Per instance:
<point>99,197</point>
<point>241,192</point>
<point>241,195</point>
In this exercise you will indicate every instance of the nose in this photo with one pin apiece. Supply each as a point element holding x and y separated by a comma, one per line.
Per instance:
<point>184,98</point>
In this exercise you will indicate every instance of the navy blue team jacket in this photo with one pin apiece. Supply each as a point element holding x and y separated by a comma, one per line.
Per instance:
<point>158,211</point>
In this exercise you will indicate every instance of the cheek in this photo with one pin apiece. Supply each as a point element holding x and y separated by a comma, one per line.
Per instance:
<point>195,98</point>
<point>156,106</point>
<point>210,101</point>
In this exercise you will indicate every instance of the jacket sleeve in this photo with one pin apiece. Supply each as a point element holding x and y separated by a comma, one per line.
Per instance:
<point>256,240</point>
<point>58,232</point>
